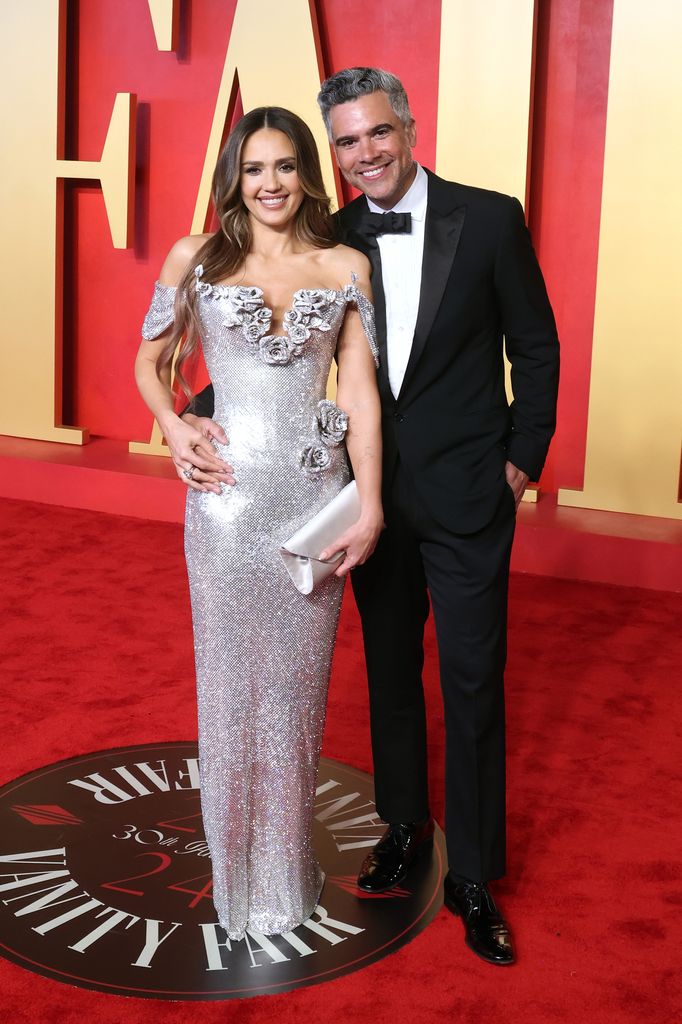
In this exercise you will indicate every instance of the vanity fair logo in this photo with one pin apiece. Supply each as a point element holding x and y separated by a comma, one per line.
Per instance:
<point>105,883</point>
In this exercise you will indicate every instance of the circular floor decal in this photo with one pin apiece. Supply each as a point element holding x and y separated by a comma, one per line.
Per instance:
<point>105,882</point>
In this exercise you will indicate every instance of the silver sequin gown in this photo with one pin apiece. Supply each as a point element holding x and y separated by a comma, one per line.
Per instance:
<point>263,651</point>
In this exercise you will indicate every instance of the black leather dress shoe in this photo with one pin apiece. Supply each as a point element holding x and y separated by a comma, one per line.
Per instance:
<point>486,931</point>
<point>391,858</point>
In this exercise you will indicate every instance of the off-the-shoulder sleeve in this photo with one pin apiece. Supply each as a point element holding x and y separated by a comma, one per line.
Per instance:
<point>160,313</point>
<point>366,310</point>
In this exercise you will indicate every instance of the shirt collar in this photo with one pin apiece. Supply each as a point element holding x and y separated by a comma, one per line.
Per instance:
<point>414,200</point>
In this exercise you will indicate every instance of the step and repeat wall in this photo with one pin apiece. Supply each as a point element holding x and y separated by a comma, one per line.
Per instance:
<point>114,111</point>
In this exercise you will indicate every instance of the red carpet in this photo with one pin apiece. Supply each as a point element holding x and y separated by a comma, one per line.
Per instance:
<point>96,650</point>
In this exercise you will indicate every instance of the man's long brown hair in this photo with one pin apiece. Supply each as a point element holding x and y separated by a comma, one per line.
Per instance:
<point>226,250</point>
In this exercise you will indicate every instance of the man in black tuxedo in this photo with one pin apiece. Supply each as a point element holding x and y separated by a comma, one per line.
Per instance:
<point>454,273</point>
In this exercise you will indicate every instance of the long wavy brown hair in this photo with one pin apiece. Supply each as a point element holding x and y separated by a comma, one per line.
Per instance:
<point>226,250</point>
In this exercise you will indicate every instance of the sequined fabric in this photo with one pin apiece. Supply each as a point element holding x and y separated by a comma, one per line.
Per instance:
<point>263,651</point>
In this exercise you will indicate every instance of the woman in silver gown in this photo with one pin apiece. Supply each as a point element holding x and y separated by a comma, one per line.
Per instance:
<point>272,301</point>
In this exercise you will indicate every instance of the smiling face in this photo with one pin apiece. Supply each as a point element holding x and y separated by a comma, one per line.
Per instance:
<point>269,183</point>
<point>374,148</point>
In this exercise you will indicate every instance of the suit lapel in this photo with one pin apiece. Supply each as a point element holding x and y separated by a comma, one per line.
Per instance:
<point>445,216</point>
<point>443,229</point>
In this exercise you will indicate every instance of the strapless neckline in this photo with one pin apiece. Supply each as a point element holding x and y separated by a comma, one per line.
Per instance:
<point>313,313</point>
<point>303,305</point>
<point>251,310</point>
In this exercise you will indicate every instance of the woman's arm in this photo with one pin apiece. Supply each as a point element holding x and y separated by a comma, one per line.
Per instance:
<point>358,396</point>
<point>190,449</point>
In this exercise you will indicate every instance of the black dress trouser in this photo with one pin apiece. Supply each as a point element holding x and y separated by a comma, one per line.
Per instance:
<point>466,577</point>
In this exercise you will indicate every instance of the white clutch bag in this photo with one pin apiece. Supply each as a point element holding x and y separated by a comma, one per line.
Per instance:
<point>301,552</point>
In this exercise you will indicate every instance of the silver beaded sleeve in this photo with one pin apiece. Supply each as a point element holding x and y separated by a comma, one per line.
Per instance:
<point>160,313</point>
<point>366,310</point>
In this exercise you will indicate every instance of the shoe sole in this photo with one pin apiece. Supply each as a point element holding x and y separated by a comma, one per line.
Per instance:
<point>423,848</point>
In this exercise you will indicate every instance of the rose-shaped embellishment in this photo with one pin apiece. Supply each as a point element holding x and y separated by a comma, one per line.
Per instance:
<point>315,458</point>
<point>253,330</point>
<point>263,315</point>
<point>256,324</point>
<point>332,423</point>
<point>301,306</point>
<point>311,303</point>
<point>202,287</point>
<point>298,334</point>
<point>231,319</point>
<point>317,323</point>
<point>313,300</point>
<point>293,316</point>
<point>276,351</point>
<point>247,300</point>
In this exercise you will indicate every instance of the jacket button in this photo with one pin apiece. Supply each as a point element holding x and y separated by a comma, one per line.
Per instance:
<point>398,417</point>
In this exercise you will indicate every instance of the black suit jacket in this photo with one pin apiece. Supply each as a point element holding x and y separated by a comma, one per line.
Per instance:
<point>451,425</point>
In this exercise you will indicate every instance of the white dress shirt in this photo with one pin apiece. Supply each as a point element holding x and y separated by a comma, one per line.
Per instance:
<point>401,272</point>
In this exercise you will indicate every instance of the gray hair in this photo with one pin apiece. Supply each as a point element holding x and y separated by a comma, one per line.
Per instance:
<point>351,83</point>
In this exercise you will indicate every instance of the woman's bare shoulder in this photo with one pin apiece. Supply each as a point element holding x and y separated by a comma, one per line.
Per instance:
<point>180,256</point>
<point>342,261</point>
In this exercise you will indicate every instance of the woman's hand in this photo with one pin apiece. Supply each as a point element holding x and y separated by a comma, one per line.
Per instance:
<point>190,444</point>
<point>357,543</point>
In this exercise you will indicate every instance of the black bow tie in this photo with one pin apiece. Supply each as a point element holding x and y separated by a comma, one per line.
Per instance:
<point>386,223</point>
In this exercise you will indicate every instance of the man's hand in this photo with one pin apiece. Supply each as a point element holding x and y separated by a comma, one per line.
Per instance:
<point>517,480</point>
<point>190,443</point>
